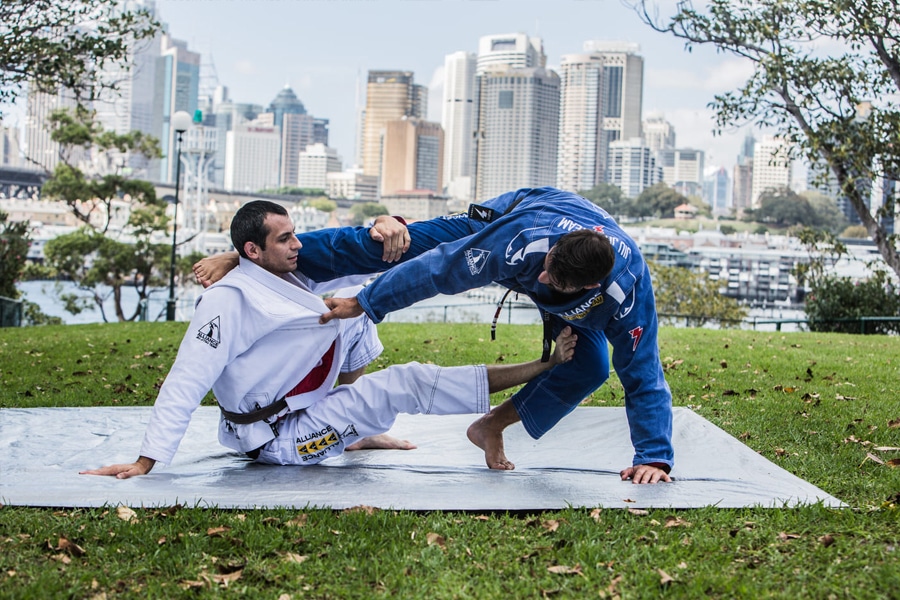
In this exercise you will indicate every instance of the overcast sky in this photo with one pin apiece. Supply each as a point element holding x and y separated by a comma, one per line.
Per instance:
<point>321,48</point>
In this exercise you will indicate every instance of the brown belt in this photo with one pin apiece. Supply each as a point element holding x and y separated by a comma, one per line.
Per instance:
<point>260,414</point>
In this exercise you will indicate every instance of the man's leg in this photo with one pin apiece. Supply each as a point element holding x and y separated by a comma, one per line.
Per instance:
<point>382,441</point>
<point>546,398</point>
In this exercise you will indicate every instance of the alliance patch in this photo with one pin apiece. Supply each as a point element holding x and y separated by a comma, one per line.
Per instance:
<point>209,333</point>
<point>320,444</point>
<point>476,258</point>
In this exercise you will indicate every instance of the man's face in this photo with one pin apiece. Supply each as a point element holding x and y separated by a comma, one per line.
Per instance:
<point>282,246</point>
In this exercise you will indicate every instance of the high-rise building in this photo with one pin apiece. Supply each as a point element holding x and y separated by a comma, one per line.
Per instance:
<point>225,115</point>
<point>412,156</point>
<point>771,167</point>
<point>623,90</point>
<point>510,49</point>
<point>316,162</point>
<point>390,95</point>
<point>717,190</point>
<point>632,167</point>
<point>742,190</point>
<point>39,148</point>
<point>601,102</point>
<point>176,88</point>
<point>579,161</point>
<point>659,134</point>
<point>457,119</point>
<point>251,156</point>
<point>682,169</point>
<point>516,130</point>
<point>297,132</point>
<point>352,184</point>
<point>285,103</point>
<point>10,147</point>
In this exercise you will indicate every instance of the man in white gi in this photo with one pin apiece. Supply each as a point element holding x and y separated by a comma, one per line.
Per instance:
<point>256,340</point>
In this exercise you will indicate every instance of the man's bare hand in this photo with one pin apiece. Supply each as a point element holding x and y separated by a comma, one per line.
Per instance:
<point>341,308</point>
<point>141,466</point>
<point>393,234</point>
<point>565,346</point>
<point>644,474</point>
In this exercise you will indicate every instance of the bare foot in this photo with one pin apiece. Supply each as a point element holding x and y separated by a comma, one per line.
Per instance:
<point>486,436</point>
<point>211,269</point>
<point>381,441</point>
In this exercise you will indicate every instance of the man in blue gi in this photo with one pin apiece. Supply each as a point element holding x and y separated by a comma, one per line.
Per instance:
<point>572,259</point>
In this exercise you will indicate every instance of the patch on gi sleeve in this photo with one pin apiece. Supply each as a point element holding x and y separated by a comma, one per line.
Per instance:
<point>210,333</point>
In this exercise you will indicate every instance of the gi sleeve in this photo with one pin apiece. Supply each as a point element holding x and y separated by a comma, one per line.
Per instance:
<point>212,340</point>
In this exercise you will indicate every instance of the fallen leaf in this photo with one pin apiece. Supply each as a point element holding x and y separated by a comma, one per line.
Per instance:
<point>69,547</point>
<point>217,531</point>
<point>435,539</point>
<point>369,510</point>
<point>125,513</point>
<point>187,584</point>
<point>227,578</point>
<point>894,424</point>
<point>550,525</point>
<point>780,452</point>
<point>873,458</point>
<point>673,521</point>
<point>886,448</point>
<point>664,578</point>
<point>595,514</point>
<point>723,364</point>
<point>826,540</point>
<point>638,512</point>
<point>787,536</point>
<point>565,570</point>
<point>298,521</point>
<point>295,558</point>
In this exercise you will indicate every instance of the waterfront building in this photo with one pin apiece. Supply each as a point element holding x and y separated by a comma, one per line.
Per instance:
<point>516,129</point>
<point>412,156</point>
<point>457,120</point>
<point>390,95</point>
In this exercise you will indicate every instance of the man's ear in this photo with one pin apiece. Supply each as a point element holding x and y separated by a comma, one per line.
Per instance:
<point>251,250</point>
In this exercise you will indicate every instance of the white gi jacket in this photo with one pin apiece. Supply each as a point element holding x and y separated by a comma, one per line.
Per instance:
<point>254,336</point>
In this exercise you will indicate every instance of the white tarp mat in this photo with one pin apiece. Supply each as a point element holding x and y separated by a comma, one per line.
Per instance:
<point>575,464</point>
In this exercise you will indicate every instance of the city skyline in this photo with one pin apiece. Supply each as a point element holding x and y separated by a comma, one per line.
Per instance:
<point>324,49</point>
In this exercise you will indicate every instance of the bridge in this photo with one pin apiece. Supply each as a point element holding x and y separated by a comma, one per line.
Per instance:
<point>21,183</point>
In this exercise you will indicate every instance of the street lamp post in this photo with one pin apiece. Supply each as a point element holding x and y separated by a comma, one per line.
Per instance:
<point>180,123</point>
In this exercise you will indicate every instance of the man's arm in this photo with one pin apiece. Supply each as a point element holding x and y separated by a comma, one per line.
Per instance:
<point>141,466</point>
<point>390,231</point>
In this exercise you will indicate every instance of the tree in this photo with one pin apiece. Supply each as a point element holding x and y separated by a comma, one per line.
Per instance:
<point>818,66</point>
<point>682,293</point>
<point>323,204</point>
<point>784,207</point>
<point>360,214</point>
<point>51,45</point>
<point>658,201</point>
<point>610,198</point>
<point>14,242</point>
<point>92,197</point>
<point>855,231</point>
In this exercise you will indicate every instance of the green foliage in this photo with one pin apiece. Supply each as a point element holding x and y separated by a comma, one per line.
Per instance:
<point>51,45</point>
<point>658,201</point>
<point>14,242</point>
<point>360,214</point>
<point>610,198</point>
<point>836,304</point>
<point>101,266</point>
<point>293,191</point>
<point>324,205</point>
<point>785,208</point>
<point>681,293</point>
<point>825,79</point>
<point>855,231</point>
<point>727,229</point>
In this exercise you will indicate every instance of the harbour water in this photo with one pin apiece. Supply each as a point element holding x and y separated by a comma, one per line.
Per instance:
<point>475,306</point>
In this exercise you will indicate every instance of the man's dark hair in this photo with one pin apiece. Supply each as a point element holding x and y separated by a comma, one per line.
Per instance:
<point>248,224</point>
<point>581,258</point>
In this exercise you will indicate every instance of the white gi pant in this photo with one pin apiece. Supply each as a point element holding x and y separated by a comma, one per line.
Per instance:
<point>369,407</point>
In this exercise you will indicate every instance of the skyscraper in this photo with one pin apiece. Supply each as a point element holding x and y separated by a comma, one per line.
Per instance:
<point>315,163</point>
<point>516,129</point>
<point>176,88</point>
<point>632,167</point>
<point>659,134</point>
<point>771,167</point>
<point>412,156</point>
<point>742,190</point>
<point>510,49</point>
<point>39,148</point>
<point>682,169</point>
<point>457,120</point>
<point>251,156</point>
<point>579,164</point>
<point>390,95</point>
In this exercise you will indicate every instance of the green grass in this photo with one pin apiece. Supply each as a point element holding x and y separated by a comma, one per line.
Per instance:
<point>816,404</point>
